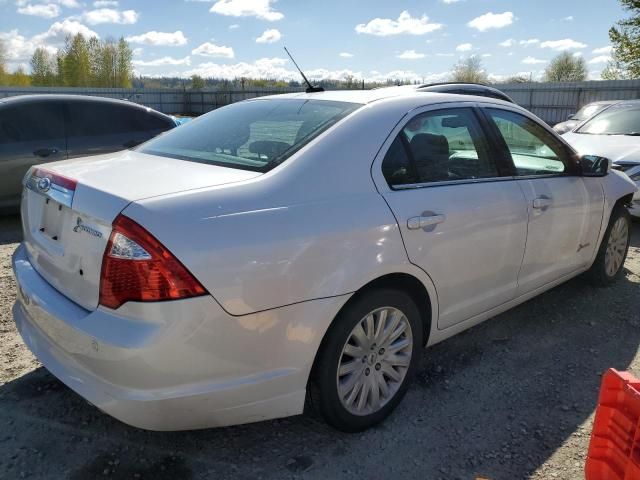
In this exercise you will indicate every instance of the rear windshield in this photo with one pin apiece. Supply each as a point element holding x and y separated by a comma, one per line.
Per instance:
<point>619,119</point>
<point>256,135</point>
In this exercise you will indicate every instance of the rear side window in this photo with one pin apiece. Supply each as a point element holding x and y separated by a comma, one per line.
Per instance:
<point>31,122</point>
<point>101,118</point>
<point>533,150</point>
<point>439,146</point>
<point>256,135</point>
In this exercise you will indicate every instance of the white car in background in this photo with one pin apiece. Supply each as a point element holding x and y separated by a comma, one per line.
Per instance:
<point>615,134</point>
<point>305,243</point>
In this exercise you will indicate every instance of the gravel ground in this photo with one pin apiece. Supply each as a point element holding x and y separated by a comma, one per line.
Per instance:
<point>510,399</point>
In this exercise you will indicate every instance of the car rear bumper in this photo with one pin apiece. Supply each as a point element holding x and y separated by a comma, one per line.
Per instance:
<point>187,365</point>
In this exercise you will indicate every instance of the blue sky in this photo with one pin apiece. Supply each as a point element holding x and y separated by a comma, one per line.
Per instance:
<point>372,39</point>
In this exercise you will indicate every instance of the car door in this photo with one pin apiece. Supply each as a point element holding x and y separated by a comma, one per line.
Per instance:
<point>99,126</point>
<point>461,220</point>
<point>564,208</point>
<point>31,133</point>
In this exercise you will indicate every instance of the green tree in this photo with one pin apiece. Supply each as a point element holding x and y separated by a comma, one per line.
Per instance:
<point>124,65</point>
<point>197,82</point>
<point>625,39</point>
<point>19,78</point>
<point>566,67</point>
<point>469,70</point>
<point>3,63</point>
<point>42,68</point>
<point>77,65</point>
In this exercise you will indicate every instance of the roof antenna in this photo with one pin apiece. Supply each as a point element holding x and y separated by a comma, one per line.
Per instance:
<point>310,88</point>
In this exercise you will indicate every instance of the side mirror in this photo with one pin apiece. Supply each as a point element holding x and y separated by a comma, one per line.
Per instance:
<point>595,166</point>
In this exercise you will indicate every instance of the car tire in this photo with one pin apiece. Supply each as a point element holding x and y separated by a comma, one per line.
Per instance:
<point>609,263</point>
<point>367,360</point>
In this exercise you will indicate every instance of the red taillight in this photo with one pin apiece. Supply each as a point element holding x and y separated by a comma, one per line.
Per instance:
<point>56,178</point>
<point>136,267</point>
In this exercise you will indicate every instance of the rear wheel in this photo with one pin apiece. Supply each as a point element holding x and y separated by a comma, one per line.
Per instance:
<point>367,360</point>
<point>608,266</point>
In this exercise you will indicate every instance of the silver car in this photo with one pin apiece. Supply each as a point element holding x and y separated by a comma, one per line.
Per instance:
<point>305,244</point>
<point>37,129</point>
<point>582,115</point>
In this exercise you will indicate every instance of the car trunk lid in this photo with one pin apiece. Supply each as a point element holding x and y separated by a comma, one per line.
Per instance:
<point>68,208</point>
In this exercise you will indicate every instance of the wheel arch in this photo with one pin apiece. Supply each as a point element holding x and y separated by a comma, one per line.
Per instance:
<point>406,282</point>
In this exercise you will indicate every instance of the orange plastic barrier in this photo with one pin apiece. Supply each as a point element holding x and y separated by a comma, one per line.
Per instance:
<point>614,450</point>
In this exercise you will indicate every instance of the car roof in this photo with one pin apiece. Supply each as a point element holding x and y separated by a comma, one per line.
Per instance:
<point>23,99</point>
<point>400,94</point>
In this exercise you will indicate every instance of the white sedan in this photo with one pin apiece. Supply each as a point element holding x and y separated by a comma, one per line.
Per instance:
<point>615,134</point>
<point>301,244</point>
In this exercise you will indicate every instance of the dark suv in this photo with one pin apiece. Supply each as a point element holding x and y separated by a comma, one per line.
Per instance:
<point>35,129</point>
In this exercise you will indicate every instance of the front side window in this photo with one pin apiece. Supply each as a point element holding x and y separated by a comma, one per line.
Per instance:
<point>439,146</point>
<point>256,135</point>
<point>620,119</point>
<point>533,150</point>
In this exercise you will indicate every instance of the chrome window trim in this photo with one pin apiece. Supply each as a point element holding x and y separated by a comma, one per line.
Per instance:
<point>445,183</point>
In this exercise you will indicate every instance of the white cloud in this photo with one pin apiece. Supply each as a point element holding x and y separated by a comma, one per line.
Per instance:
<point>49,10</point>
<point>464,47</point>
<point>448,2</point>
<point>533,61</point>
<point>531,41</point>
<point>137,51</point>
<point>233,26</point>
<point>346,54</point>
<point>600,59</point>
<point>405,24</point>
<point>603,50</point>
<point>211,50</point>
<point>411,55</point>
<point>163,61</point>
<point>247,8</point>
<point>507,43</point>
<point>68,3</point>
<point>486,55</point>
<point>110,15</point>
<point>166,39</point>
<point>568,19</point>
<point>274,68</point>
<point>105,4</point>
<point>59,31</point>
<point>269,36</point>
<point>564,44</point>
<point>491,20</point>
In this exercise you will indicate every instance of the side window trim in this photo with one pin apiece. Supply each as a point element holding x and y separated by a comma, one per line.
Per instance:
<point>566,158</point>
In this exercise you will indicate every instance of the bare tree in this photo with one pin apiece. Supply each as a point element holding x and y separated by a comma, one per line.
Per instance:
<point>566,68</point>
<point>469,70</point>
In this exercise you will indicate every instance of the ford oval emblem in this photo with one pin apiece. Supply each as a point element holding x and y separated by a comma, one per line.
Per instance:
<point>44,184</point>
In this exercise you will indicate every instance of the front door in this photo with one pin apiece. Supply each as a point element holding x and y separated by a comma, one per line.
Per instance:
<point>565,209</point>
<point>462,222</point>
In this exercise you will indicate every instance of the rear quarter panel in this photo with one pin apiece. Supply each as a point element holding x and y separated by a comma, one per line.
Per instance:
<point>314,227</point>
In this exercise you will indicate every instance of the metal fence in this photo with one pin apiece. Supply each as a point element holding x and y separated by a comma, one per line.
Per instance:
<point>553,102</point>
<point>173,101</point>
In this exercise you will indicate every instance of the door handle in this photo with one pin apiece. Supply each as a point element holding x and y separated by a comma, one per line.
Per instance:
<point>45,152</point>
<point>542,202</point>
<point>423,221</point>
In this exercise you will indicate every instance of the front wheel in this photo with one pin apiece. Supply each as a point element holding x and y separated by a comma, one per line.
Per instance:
<point>607,267</point>
<point>367,360</point>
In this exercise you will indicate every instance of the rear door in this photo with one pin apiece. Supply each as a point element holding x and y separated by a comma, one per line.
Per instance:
<point>97,127</point>
<point>30,133</point>
<point>564,208</point>
<point>461,220</point>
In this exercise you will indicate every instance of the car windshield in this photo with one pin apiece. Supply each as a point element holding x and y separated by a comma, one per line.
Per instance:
<point>619,119</point>
<point>255,135</point>
<point>589,111</point>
